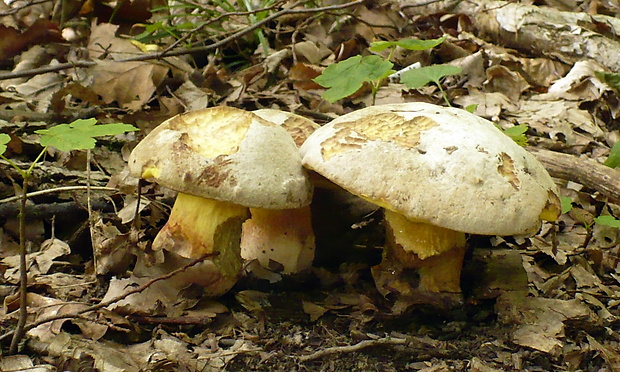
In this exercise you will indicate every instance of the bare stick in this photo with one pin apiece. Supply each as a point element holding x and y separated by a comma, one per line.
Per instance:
<point>110,301</point>
<point>57,189</point>
<point>351,348</point>
<point>587,172</point>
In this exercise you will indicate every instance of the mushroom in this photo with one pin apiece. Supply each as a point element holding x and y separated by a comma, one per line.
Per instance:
<point>221,160</point>
<point>281,240</point>
<point>439,173</point>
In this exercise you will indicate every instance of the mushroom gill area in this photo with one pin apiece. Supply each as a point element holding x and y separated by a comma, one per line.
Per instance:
<point>435,252</point>
<point>197,227</point>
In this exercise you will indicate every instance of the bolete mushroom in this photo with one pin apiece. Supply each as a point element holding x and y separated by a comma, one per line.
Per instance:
<point>221,160</point>
<point>438,173</point>
<point>281,240</point>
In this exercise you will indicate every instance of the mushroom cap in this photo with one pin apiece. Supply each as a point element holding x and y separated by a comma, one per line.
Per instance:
<point>226,154</point>
<point>433,164</point>
<point>297,126</point>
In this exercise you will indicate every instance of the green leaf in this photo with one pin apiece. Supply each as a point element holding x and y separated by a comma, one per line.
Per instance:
<point>611,79</point>
<point>471,108</point>
<point>613,160</point>
<point>567,204</point>
<point>346,77</point>
<point>4,139</point>
<point>610,221</point>
<point>419,77</point>
<point>409,44</point>
<point>80,134</point>
<point>517,133</point>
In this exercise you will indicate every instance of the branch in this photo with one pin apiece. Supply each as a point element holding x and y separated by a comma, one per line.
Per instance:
<point>587,172</point>
<point>160,55</point>
<point>352,348</point>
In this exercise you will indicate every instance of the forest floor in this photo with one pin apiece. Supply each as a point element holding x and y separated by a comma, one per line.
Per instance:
<point>549,302</point>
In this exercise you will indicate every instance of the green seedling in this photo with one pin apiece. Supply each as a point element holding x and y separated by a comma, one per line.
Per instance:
<point>613,160</point>
<point>566,203</point>
<point>346,77</point>
<point>611,79</point>
<point>419,77</point>
<point>610,221</point>
<point>517,133</point>
<point>78,135</point>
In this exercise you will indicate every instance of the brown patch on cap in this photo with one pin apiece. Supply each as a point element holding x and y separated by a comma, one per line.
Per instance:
<point>506,168</point>
<point>386,127</point>
<point>212,175</point>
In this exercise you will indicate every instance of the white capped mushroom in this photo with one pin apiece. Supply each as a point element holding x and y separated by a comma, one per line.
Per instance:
<point>439,173</point>
<point>221,160</point>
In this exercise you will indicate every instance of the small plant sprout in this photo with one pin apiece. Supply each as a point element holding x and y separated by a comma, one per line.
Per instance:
<point>78,135</point>
<point>346,77</point>
<point>613,160</point>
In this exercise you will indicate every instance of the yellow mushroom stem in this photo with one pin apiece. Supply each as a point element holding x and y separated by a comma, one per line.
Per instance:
<point>280,239</point>
<point>436,252</point>
<point>199,226</point>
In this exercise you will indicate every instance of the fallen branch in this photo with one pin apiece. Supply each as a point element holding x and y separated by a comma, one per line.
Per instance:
<point>586,172</point>
<point>178,52</point>
<point>544,31</point>
<point>356,347</point>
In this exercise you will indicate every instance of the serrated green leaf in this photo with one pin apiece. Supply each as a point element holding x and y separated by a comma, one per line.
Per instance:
<point>4,139</point>
<point>80,134</point>
<point>613,160</point>
<point>517,133</point>
<point>610,221</point>
<point>566,203</point>
<point>611,79</point>
<point>346,77</point>
<point>419,77</point>
<point>409,44</point>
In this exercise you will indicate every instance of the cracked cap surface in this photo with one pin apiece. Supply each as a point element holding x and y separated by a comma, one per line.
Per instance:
<point>226,154</point>
<point>439,165</point>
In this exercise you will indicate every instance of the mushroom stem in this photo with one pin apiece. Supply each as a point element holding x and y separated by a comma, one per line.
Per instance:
<point>280,239</point>
<point>436,252</point>
<point>199,226</point>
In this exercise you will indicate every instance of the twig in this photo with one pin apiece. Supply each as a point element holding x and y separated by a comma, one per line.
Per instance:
<point>20,329</point>
<point>57,189</point>
<point>351,348</point>
<point>160,55</point>
<point>110,301</point>
<point>587,172</point>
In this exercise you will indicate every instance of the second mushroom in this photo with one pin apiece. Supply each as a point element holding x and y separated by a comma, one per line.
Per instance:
<point>439,173</point>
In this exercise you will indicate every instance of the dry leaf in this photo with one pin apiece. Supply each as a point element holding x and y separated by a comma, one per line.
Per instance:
<point>130,84</point>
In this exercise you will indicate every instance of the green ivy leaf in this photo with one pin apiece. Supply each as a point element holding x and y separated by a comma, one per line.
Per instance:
<point>419,77</point>
<point>80,134</point>
<point>346,77</point>
<point>409,44</point>
<point>517,133</point>
<point>4,139</point>
<point>610,221</point>
<point>611,79</point>
<point>613,160</point>
<point>567,204</point>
